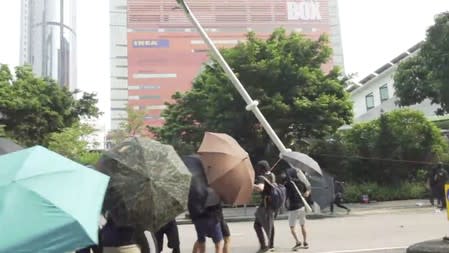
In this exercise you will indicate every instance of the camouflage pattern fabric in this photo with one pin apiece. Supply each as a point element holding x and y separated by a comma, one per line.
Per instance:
<point>149,183</point>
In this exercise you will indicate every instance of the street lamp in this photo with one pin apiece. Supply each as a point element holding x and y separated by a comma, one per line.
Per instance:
<point>295,159</point>
<point>251,104</point>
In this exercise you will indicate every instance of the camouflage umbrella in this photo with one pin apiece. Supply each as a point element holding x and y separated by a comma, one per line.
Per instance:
<point>149,183</point>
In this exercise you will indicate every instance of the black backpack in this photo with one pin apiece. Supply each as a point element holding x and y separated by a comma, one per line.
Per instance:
<point>276,195</point>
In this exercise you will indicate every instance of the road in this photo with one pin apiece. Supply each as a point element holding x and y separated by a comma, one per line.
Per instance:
<point>389,232</point>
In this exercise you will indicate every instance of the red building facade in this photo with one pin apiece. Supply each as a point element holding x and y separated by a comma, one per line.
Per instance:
<point>165,53</point>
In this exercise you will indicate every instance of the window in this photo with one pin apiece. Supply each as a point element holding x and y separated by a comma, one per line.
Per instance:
<point>369,100</point>
<point>150,87</point>
<point>152,117</point>
<point>152,75</point>
<point>150,97</point>
<point>383,90</point>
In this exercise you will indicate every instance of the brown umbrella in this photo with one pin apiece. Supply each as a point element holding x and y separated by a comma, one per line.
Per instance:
<point>227,167</point>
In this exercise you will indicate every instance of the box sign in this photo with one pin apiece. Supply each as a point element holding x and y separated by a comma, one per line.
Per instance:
<point>151,43</point>
<point>304,10</point>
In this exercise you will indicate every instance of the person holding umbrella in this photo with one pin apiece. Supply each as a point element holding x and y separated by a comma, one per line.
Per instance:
<point>122,239</point>
<point>208,224</point>
<point>264,214</point>
<point>295,205</point>
<point>201,197</point>
<point>171,230</point>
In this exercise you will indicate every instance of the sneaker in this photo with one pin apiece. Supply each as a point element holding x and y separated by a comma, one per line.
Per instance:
<point>297,246</point>
<point>306,245</point>
<point>263,250</point>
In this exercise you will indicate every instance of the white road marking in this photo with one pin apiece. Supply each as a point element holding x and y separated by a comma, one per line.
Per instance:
<point>365,250</point>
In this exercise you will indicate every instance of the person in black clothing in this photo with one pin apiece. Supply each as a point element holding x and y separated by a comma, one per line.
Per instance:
<point>90,249</point>
<point>432,187</point>
<point>441,178</point>
<point>113,236</point>
<point>295,205</point>
<point>264,214</point>
<point>171,230</point>
<point>208,224</point>
<point>338,196</point>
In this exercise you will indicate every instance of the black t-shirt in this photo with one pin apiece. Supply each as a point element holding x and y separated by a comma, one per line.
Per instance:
<point>267,188</point>
<point>293,197</point>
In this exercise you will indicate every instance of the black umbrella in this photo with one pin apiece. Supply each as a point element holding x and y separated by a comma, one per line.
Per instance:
<point>8,146</point>
<point>322,189</point>
<point>200,194</point>
<point>198,185</point>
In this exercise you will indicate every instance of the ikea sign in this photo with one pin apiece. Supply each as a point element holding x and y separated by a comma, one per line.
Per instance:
<point>151,43</point>
<point>304,10</point>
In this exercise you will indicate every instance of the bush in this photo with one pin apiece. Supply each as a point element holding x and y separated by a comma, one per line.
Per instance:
<point>405,190</point>
<point>89,158</point>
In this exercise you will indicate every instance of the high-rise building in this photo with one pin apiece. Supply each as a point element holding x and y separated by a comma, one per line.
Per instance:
<point>48,39</point>
<point>155,50</point>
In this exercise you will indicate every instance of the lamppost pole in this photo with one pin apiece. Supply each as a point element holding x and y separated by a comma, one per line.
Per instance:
<point>251,104</point>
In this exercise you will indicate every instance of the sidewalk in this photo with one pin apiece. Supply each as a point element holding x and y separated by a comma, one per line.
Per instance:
<point>239,214</point>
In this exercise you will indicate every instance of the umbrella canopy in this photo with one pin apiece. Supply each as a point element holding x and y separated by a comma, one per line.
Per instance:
<point>201,195</point>
<point>8,146</point>
<point>302,161</point>
<point>149,183</point>
<point>322,189</point>
<point>227,167</point>
<point>198,185</point>
<point>49,203</point>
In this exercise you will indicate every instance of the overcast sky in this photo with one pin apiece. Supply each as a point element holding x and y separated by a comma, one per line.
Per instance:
<point>373,32</point>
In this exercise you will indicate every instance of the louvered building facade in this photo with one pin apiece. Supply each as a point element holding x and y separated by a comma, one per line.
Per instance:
<point>155,51</point>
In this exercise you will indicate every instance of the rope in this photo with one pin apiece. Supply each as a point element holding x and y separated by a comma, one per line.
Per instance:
<point>380,159</point>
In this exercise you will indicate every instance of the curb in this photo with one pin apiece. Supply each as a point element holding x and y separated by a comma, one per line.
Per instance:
<point>185,221</point>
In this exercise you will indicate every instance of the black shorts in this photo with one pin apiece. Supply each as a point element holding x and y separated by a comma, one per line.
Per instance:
<point>225,228</point>
<point>208,227</point>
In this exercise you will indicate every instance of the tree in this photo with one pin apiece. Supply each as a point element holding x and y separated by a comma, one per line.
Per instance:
<point>284,73</point>
<point>133,126</point>
<point>31,108</point>
<point>72,142</point>
<point>2,131</point>
<point>393,147</point>
<point>426,75</point>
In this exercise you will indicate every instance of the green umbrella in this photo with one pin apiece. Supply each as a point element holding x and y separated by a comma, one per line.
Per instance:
<point>149,183</point>
<point>48,203</point>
